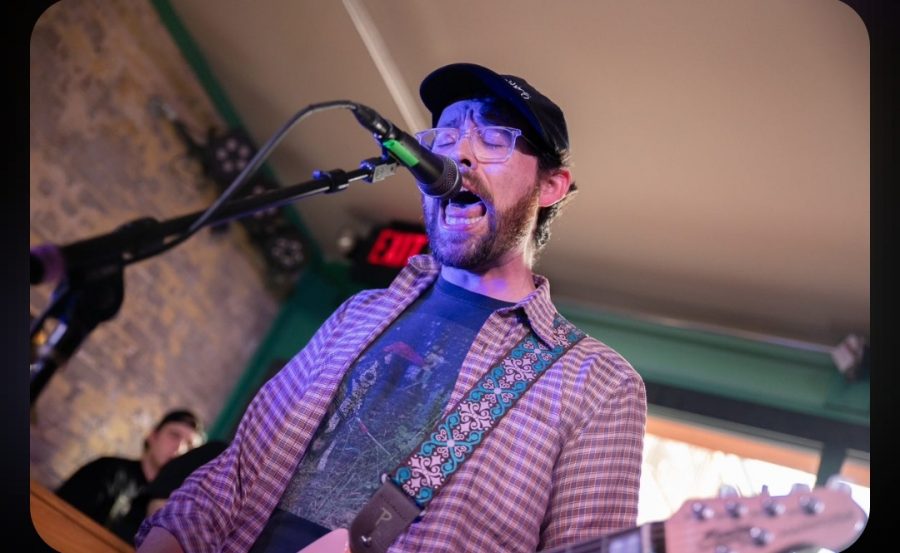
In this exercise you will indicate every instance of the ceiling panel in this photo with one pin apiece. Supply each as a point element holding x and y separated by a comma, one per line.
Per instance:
<point>721,148</point>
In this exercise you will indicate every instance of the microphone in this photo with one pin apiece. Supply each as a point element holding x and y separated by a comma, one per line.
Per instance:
<point>436,176</point>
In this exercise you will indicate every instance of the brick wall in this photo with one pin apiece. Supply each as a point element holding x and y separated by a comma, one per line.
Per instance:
<point>100,157</point>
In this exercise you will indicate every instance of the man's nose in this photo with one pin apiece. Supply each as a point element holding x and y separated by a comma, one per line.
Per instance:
<point>463,151</point>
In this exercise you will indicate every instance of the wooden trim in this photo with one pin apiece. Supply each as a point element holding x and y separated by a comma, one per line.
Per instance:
<point>67,529</point>
<point>857,472</point>
<point>736,444</point>
<point>751,448</point>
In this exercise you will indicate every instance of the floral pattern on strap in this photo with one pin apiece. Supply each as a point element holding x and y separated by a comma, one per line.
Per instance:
<point>456,437</point>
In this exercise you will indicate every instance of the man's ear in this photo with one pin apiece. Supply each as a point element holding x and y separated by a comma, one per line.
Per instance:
<point>554,186</point>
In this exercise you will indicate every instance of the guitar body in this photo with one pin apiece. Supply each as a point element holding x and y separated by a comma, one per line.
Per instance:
<point>823,517</point>
<point>336,541</point>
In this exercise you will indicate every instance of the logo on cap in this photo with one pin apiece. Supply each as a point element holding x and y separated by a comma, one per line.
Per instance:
<point>515,85</point>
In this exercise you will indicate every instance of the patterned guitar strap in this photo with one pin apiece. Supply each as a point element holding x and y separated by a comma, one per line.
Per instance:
<point>406,492</point>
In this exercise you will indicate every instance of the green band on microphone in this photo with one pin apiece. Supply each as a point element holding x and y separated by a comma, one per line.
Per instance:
<point>399,150</point>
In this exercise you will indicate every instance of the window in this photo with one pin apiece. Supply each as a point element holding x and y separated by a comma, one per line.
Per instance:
<point>689,460</point>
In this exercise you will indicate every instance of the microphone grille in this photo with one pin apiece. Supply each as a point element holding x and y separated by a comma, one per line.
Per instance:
<point>450,181</point>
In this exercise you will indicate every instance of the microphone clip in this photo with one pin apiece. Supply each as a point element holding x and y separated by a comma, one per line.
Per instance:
<point>379,168</point>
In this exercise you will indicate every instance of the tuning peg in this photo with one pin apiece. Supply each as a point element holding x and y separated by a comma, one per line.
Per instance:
<point>773,507</point>
<point>726,490</point>
<point>702,511</point>
<point>808,502</point>
<point>735,508</point>
<point>760,536</point>
<point>811,505</point>
<point>835,482</point>
<point>799,488</point>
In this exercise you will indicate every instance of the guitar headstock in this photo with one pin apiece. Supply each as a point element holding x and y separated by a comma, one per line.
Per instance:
<point>822,517</point>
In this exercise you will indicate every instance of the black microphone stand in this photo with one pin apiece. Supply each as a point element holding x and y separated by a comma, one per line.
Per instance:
<point>92,289</point>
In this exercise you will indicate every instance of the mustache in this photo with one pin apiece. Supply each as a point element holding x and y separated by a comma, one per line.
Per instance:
<point>475,185</point>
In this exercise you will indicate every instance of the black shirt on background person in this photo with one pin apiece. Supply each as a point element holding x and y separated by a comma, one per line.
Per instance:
<point>113,490</point>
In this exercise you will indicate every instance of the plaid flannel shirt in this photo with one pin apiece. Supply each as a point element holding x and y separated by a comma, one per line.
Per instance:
<point>562,466</point>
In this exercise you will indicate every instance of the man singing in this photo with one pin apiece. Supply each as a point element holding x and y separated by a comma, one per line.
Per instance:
<point>561,466</point>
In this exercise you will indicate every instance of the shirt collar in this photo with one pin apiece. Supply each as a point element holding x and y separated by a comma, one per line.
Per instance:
<point>540,311</point>
<point>422,270</point>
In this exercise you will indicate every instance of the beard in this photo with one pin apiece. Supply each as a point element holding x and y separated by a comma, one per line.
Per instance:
<point>506,231</point>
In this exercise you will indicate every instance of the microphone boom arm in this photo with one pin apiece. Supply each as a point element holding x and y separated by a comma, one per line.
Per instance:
<point>92,288</point>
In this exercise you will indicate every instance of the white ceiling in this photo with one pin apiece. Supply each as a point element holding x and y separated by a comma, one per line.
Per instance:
<point>721,148</point>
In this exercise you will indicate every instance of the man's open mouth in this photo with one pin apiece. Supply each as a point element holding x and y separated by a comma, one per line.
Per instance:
<point>464,208</point>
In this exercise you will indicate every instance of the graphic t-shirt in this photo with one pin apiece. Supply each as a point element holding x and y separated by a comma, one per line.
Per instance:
<point>110,490</point>
<point>390,399</point>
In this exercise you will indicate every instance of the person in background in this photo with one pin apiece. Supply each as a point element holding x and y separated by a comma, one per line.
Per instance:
<point>112,490</point>
<point>563,465</point>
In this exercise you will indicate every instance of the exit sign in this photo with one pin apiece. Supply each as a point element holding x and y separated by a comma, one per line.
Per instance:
<point>393,247</point>
<point>379,257</point>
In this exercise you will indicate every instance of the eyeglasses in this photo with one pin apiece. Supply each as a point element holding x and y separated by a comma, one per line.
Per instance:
<point>491,144</point>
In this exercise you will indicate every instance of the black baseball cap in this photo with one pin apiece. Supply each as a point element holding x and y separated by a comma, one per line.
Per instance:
<point>462,81</point>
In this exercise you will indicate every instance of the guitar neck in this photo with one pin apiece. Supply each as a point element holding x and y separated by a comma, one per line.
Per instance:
<point>648,538</point>
<point>823,517</point>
